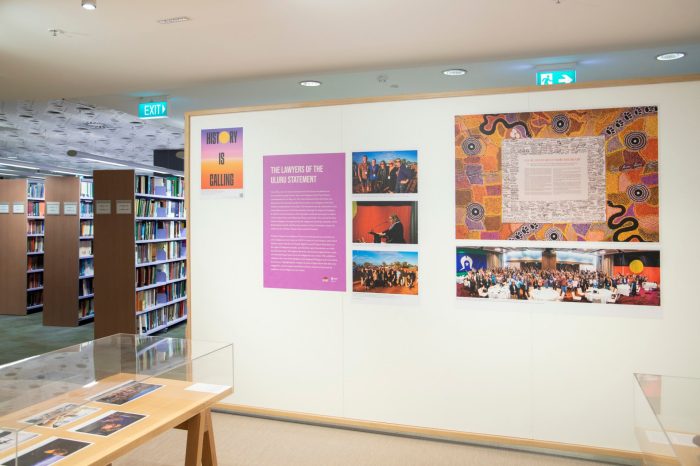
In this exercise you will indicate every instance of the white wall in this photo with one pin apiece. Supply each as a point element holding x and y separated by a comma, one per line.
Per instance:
<point>559,372</point>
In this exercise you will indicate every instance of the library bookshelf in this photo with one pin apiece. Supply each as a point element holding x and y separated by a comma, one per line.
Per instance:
<point>22,209</point>
<point>139,252</point>
<point>68,297</point>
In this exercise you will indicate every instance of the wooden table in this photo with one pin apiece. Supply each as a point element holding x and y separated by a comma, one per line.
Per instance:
<point>168,407</point>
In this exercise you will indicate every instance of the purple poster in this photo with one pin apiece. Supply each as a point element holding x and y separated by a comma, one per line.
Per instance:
<point>304,221</point>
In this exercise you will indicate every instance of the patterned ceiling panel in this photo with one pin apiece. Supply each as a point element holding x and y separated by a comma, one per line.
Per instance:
<point>42,132</point>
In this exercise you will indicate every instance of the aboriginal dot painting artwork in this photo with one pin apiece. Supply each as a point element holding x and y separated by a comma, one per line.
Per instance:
<point>578,175</point>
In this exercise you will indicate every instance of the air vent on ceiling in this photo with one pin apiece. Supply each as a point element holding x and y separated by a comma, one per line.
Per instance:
<point>174,19</point>
<point>95,125</point>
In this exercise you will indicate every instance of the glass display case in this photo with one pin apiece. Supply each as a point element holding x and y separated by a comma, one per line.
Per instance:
<point>90,403</point>
<point>667,419</point>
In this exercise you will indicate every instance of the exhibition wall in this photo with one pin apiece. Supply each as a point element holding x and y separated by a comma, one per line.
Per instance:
<point>551,371</point>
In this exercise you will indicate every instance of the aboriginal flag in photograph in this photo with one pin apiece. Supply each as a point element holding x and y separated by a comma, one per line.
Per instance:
<point>645,263</point>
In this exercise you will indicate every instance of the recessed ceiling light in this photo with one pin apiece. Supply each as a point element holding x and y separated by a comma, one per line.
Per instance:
<point>173,20</point>
<point>454,72</point>
<point>89,4</point>
<point>670,56</point>
<point>310,83</point>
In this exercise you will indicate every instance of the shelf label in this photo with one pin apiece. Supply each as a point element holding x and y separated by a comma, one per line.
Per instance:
<point>103,207</point>
<point>53,208</point>
<point>70,208</point>
<point>18,208</point>
<point>4,208</point>
<point>124,207</point>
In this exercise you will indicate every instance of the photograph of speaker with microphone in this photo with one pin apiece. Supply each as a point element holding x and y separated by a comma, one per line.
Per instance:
<point>385,222</point>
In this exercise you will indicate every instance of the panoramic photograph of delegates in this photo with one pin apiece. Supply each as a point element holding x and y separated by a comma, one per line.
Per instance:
<point>388,272</point>
<point>608,276</point>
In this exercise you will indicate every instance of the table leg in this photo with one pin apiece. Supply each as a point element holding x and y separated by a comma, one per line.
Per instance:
<point>209,452</point>
<point>195,439</point>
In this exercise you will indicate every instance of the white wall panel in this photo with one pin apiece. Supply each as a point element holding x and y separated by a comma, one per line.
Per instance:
<point>559,372</point>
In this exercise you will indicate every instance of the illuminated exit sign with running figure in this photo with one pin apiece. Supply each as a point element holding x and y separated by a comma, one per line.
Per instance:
<point>552,78</point>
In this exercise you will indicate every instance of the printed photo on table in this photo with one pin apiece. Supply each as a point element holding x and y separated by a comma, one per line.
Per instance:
<point>10,439</point>
<point>391,222</point>
<point>126,393</point>
<point>608,276</point>
<point>385,172</point>
<point>48,452</point>
<point>109,423</point>
<point>387,272</point>
<point>60,415</point>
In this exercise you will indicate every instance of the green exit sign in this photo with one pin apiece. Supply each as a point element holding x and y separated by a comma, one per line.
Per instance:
<point>552,78</point>
<point>153,110</point>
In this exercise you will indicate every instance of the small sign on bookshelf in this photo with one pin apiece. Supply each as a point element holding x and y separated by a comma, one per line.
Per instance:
<point>4,208</point>
<point>103,207</point>
<point>124,207</point>
<point>53,208</point>
<point>18,208</point>
<point>70,208</point>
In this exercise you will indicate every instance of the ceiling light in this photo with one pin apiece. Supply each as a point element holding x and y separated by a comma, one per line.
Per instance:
<point>454,72</point>
<point>670,56</point>
<point>17,165</point>
<point>176,19</point>
<point>8,174</point>
<point>105,162</point>
<point>310,83</point>
<point>89,4</point>
<point>68,173</point>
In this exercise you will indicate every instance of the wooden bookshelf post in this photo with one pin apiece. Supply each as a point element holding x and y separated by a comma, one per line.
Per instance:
<point>13,253</point>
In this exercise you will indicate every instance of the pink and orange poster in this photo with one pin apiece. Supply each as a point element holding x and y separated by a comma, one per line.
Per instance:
<point>222,159</point>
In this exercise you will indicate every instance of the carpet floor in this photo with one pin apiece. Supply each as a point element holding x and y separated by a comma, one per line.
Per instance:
<point>25,336</point>
<point>247,441</point>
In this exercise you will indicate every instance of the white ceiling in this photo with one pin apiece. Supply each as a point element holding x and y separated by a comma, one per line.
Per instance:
<point>120,48</point>
<point>246,52</point>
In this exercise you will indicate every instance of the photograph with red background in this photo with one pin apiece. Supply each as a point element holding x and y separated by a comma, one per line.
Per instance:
<point>372,221</point>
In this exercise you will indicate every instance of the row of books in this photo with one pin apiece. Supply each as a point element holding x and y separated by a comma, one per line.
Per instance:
<point>152,252</point>
<point>160,273</point>
<point>161,295</point>
<point>150,320</point>
<point>158,186</point>
<point>35,262</point>
<point>36,208</point>
<point>86,308</point>
<point>85,248</point>
<point>86,209</point>
<point>35,280</point>
<point>87,228</point>
<point>35,227</point>
<point>34,298</point>
<point>86,189</point>
<point>35,190</point>
<point>87,267</point>
<point>145,230</point>
<point>160,354</point>
<point>158,208</point>
<point>85,287</point>
<point>35,244</point>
